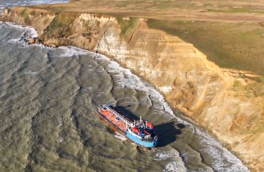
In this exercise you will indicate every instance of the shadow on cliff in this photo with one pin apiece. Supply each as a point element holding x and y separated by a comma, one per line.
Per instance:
<point>167,132</point>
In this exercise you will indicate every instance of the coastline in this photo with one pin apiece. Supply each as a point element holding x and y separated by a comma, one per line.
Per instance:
<point>188,81</point>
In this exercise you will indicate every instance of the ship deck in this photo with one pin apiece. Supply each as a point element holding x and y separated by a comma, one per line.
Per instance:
<point>118,122</point>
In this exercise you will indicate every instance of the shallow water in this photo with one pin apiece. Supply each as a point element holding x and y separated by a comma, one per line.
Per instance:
<point>47,99</point>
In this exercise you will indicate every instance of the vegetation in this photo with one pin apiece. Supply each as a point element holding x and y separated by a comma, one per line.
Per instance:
<point>59,27</point>
<point>128,26</point>
<point>261,79</point>
<point>255,90</point>
<point>230,45</point>
<point>24,14</point>
<point>46,21</point>
<point>226,39</point>
<point>33,12</point>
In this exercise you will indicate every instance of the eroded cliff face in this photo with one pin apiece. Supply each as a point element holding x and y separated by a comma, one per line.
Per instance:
<point>228,103</point>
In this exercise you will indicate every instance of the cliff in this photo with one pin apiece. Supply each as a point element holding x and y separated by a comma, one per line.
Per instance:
<point>228,103</point>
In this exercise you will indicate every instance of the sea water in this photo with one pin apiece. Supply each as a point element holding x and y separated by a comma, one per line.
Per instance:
<point>47,121</point>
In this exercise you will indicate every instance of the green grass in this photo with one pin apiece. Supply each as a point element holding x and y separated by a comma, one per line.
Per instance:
<point>261,79</point>
<point>164,6</point>
<point>237,85</point>
<point>46,21</point>
<point>234,10</point>
<point>33,12</point>
<point>24,14</point>
<point>59,27</point>
<point>127,26</point>
<point>258,79</point>
<point>260,129</point>
<point>229,45</point>
<point>191,5</point>
<point>208,5</point>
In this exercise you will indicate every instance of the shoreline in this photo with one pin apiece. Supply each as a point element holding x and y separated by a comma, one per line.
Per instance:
<point>186,81</point>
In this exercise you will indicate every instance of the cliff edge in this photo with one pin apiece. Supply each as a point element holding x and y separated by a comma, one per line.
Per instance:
<point>228,103</point>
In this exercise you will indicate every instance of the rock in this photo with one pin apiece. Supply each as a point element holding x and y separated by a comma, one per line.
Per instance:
<point>35,41</point>
<point>5,11</point>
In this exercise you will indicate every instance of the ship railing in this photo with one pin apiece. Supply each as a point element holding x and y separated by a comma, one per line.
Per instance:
<point>150,139</point>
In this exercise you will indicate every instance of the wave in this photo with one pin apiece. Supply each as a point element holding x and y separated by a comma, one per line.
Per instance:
<point>27,32</point>
<point>221,156</point>
<point>176,165</point>
<point>117,135</point>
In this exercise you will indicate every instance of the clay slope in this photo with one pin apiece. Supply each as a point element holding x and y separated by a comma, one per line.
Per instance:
<point>228,103</point>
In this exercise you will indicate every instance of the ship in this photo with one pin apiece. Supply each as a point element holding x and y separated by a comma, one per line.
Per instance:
<point>138,131</point>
